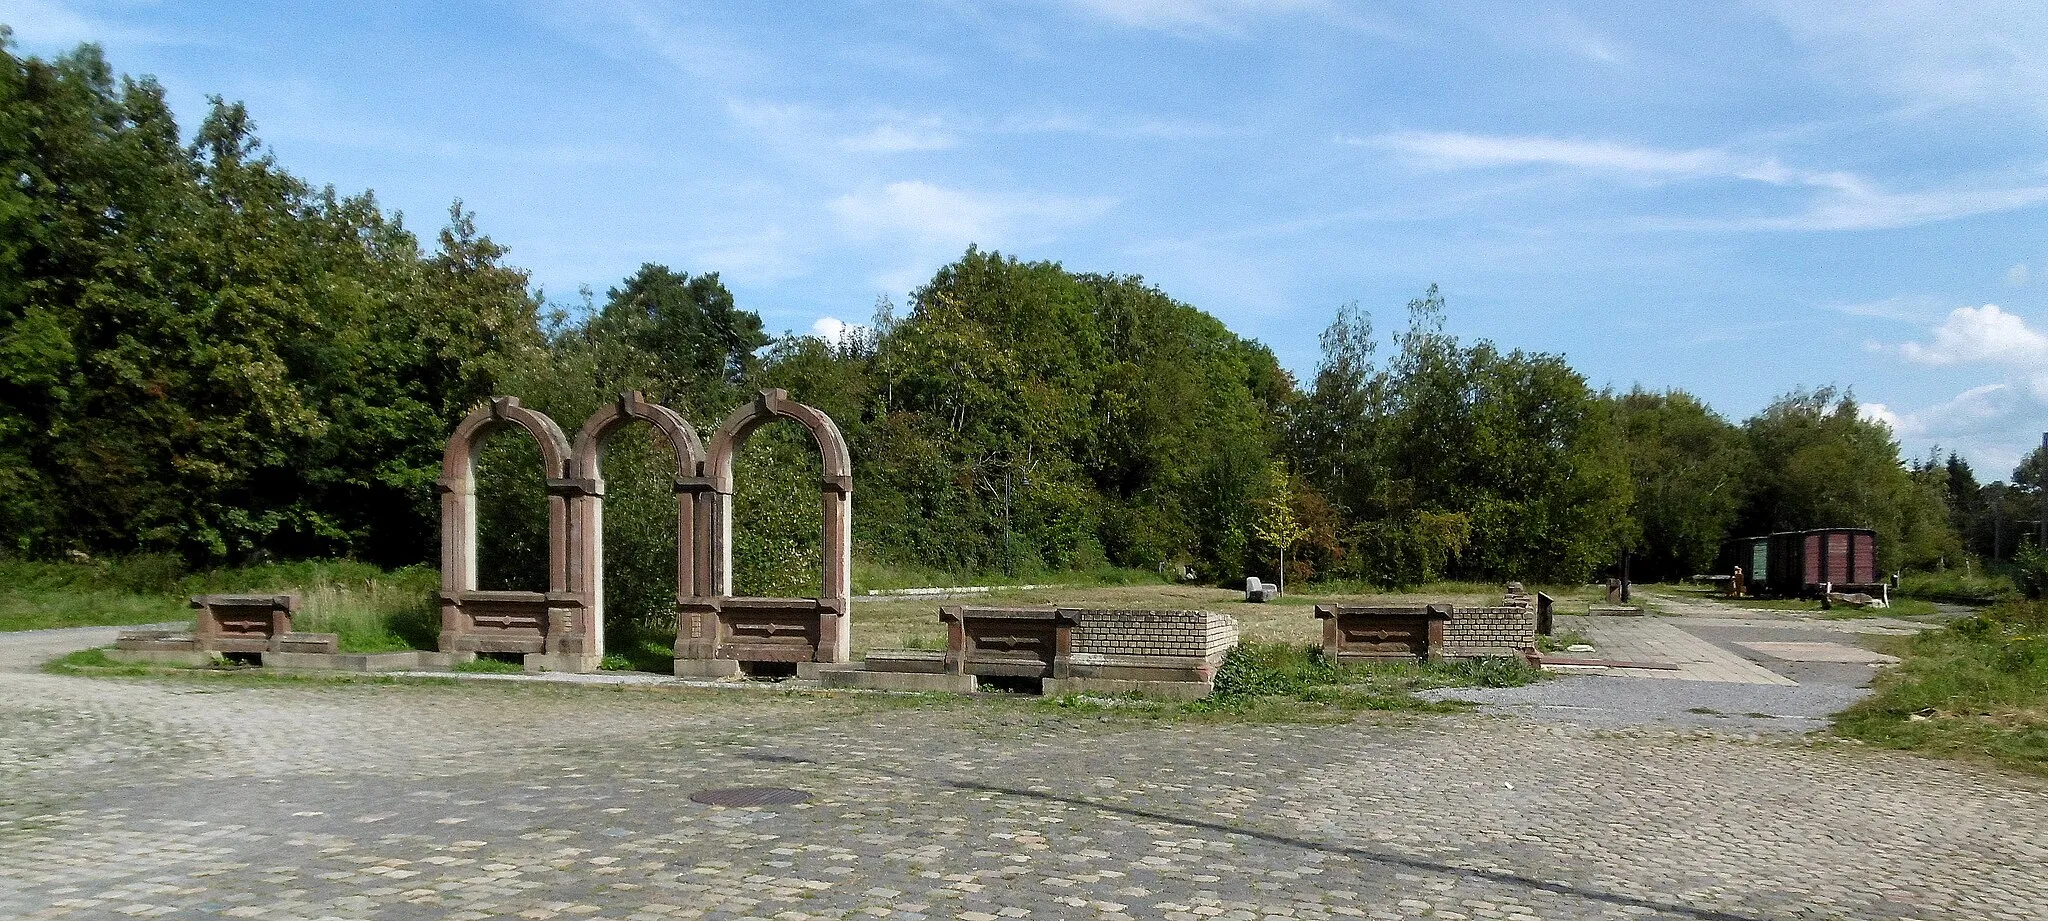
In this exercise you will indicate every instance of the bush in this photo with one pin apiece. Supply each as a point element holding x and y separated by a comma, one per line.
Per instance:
<point>1963,586</point>
<point>2032,564</point>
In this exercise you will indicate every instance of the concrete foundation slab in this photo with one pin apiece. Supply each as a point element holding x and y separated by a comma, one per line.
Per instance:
<point>707,668</point>
<point>179,658</point>
<point>412,660</point>
<point>560,662</point>
<point>1170,690</point>
<point>898,681</point>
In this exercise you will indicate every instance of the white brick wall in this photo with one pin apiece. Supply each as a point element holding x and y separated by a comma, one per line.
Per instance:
<point>1194,634</point>
<point>1493,629</point>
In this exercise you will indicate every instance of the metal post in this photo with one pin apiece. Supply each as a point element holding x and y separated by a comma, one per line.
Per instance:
<point>2041,487</point>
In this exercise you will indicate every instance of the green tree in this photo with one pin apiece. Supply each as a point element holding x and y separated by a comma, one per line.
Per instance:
<point>1277,526</point>
<point>1690,471</point>
<point>1831,468</point>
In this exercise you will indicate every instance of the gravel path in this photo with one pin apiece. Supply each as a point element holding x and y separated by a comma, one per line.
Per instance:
<point>287,800</point>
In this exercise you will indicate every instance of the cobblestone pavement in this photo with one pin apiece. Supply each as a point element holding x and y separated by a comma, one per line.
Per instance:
<point>193,799</point>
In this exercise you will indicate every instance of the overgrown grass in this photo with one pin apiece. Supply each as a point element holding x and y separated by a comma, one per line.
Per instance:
<point>485,665</point>
<point>370,609</point>
<point>1976,689</point>
<point>1960,586</point>
<point>876,575</point>
<point>1558,642</point>
<point>94,662</point>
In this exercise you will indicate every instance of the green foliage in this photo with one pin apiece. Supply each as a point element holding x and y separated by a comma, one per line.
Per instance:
<point>40,596</point>
<point>1690,470</point>
<point>206,360</point>
<point>485,665</point>
<point>1279,670</point>
<point>202,355</point>
<point>1831,468</point>
<point>2031,567</point>
<point>370,609</point>
<point>1976,689</point>
<point>1972,586</point>
<point>1459,459</point>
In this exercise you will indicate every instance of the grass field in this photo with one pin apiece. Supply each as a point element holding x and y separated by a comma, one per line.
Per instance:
<point>371,609</point>
<point>1900,606</point>
<point>1976,689</point>
<point>375,610</point>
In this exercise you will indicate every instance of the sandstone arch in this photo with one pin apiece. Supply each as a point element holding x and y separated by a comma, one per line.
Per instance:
<point>554,624</point>
<point>730,630</point>
<point>586,554</point>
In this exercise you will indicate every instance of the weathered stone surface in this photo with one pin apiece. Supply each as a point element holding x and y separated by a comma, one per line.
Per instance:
<point>1494,630</point>
<point>243,623</point>
<point>180,658</point>
<point>873,680</point>
<point>1372,632</point>
<point>918,661</point>
<point>410,660</point>
<point>564,625</point>
<point>715,623</point>
<point>586,519</point>
<point>756,629</point>
<point>1007,642</point>
<point>1165,689</point>
<point>157,641</point>
<point>559,622</point>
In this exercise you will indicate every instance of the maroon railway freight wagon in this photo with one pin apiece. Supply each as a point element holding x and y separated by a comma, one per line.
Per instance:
<point>1796,564</point>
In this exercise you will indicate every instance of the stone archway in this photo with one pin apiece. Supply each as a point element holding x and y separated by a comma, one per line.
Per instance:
<point>553,628</point>
<point>586,551</point>
<point>718,632</point>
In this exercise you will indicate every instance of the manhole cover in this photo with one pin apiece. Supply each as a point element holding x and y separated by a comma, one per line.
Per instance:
<point>750,796</point>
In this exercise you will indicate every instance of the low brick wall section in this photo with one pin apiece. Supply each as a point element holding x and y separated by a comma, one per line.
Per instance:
<point>1186,634</point>
<point>1498,630</point>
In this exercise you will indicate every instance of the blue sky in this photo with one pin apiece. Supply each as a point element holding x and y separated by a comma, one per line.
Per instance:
<point>1735,199</point>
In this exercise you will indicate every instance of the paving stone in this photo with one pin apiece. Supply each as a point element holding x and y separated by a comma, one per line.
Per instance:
<point>127,798</point>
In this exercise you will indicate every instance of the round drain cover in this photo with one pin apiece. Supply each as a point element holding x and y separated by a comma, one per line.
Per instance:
<point>750,796</point>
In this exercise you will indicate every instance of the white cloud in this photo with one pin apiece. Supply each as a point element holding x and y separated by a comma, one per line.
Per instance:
<point>1839,200</point>
<point>1930,55</point>
<point>1227,17</point>
<point>935,214</point>
<point>1878,412</point>
<point>1980,334</point>
<point>1455,149</point>
<point>1983,420</point>
<point>802,129</point>
<point>835,330</point>
<point>895,138</point>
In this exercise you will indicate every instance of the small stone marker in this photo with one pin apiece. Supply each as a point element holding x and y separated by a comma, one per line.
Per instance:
<point>1258,591</point>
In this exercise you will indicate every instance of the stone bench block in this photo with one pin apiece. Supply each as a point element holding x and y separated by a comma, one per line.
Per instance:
<point>177,658</point>
<point>410,660</point>
<point>913,661</point>
<point>898,681</point>
<point>156,641</point>
<point>1141,668</point>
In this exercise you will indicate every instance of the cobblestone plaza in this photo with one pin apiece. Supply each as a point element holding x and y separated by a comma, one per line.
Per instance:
<point>281,800</point>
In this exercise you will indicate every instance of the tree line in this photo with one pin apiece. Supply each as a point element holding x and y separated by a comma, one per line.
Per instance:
<point>204,355</point>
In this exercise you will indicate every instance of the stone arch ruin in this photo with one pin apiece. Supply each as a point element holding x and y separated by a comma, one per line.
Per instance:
<point>586,556</point>
<point>555,625</point>
<point>718,632</point>
<point>562,629</point>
